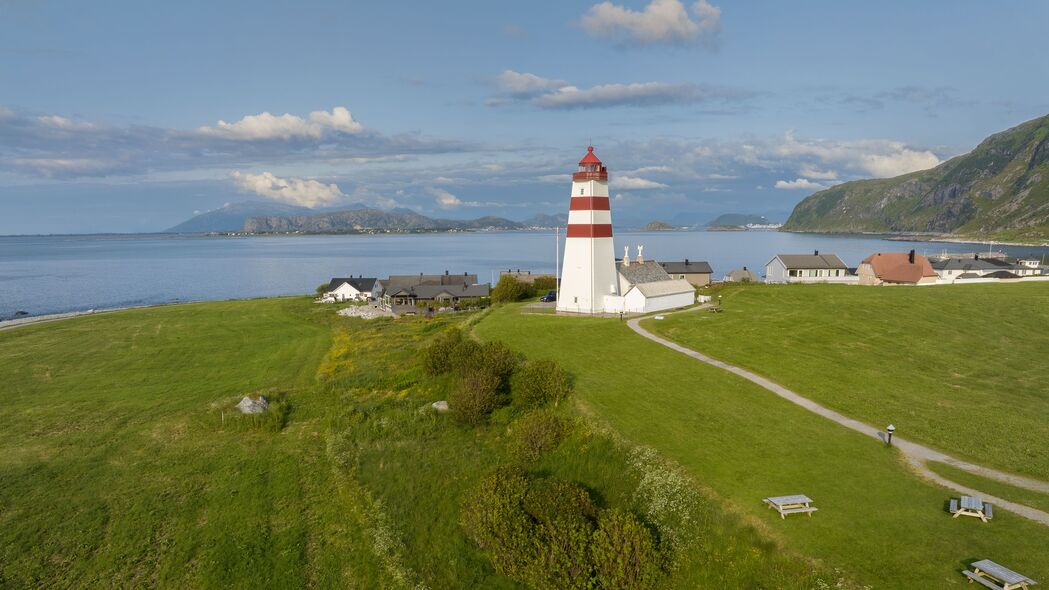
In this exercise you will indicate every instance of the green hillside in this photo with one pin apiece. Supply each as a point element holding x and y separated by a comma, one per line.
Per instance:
<point>999,191</point>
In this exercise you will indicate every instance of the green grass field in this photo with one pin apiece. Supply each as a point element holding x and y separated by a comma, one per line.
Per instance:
<point>119,466</point>
<point>962,369</point>
<point>877,521</point>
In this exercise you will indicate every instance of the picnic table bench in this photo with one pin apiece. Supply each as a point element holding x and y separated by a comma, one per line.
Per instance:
<point>785,505</point>
<point>971,506</point>
<point>992,575</point>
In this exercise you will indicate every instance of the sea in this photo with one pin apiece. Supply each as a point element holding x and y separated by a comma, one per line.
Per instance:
<point>42,275</point>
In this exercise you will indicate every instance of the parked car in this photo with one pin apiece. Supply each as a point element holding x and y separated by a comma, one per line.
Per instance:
<point>550,296</point>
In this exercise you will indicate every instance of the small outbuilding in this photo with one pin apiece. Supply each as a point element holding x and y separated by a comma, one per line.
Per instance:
<point>741,275</point>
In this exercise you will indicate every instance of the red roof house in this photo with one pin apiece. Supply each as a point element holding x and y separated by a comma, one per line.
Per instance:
<point>896,268</point>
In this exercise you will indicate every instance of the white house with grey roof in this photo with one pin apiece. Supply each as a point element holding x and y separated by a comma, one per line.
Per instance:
<point>353,289</point>
<point>808,268</point>
<point>646,287</point>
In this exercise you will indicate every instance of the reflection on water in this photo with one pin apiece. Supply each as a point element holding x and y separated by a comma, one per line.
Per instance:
<point>52,274</point>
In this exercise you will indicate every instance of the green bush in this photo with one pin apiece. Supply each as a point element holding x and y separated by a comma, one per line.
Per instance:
<point>539,382</point>
<point>536,434</point>
<point>544,284</point>
<point>509,289</point>
<point>475,397</point>
<point>437,358</point>
<point>548,533</point>
<point>500,359</point>
<point>624,552</point>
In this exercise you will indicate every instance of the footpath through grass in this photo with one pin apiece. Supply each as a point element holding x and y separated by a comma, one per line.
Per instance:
<point>961,368</point>
<point>877,521</point>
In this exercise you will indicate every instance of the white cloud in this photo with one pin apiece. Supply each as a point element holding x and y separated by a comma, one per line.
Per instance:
<point>634,183</point>
<point>523,84</point>
<point>799,183</point>
<point>558,178</point>
<point>286,126</point>
<point>298,191</point>
<point>63,123</point>
<point>67,167</point>
<point>875,157</point>
<point>637,94</point>
<point>662,21</point>
<point>6,112</point>
<point>810,172</point>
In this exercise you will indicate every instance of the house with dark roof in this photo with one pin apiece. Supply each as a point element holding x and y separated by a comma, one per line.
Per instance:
<point>896,268</point>
<point>808,268</point>
<point>353,289</point>
<point>697,272</point>
<point>437,295</point>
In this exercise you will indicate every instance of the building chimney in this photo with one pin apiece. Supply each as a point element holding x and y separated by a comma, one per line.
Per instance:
<point>686,262</point>
<point>815,252</point>
<point>744,268</point>
<point>446,272</point>
<point>626,255</point>
<point>640,254</point>
<point>910,257</point>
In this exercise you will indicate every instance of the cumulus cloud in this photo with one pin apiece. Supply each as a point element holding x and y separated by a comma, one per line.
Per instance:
<point>798,184</point>
<point>661,21</point>
<point>875,157</point>
<point>59,122</point>
<point>297,191</point>
<point>633,183</point>
<point>287,126</point>
<point>811,172</point>
<point>525,85</point>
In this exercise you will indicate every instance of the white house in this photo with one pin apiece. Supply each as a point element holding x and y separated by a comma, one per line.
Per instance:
<point>647,287</point>
<point>353,289</point>
<point>808,268</point>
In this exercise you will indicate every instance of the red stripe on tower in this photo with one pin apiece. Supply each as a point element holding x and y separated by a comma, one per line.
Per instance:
<point>589,204</point>
<point>593,230</point>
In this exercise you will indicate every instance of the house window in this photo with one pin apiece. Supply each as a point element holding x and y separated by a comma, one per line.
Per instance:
<point>792,273</point>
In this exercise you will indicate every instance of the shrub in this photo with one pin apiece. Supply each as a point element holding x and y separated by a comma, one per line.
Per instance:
<point>544,284</point>
<point>500,359</point>
<point>547,533</point>
<point>539,382</point>
<point>509,289</point>
<point>437,357</point>
<point>475,397</point>
<point>624,552</point>
<point>322,289</point>
<point>536,434</point>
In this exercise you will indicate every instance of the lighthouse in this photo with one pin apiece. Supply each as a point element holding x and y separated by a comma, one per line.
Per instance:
<point>589,268</point>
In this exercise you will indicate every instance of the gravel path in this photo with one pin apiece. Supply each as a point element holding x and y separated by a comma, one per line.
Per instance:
<point>915,454</point>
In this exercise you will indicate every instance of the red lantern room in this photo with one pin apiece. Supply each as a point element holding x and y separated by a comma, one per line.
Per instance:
<point>590,167</point>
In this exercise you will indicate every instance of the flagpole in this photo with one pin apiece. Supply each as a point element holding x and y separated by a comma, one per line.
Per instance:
<point>557,262</point>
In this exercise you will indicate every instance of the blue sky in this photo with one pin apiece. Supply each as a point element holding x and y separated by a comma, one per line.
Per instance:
<point>129,116</point>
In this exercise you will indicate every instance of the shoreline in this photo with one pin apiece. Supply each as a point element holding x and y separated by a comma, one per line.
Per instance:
<point>946,239</point>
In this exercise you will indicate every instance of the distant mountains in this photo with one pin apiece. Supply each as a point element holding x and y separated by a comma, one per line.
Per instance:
<point>271,217</point>
<point>998,191</point>
<point>737,220</point>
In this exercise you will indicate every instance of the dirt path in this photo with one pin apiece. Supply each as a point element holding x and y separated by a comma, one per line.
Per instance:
<point>915,454</point>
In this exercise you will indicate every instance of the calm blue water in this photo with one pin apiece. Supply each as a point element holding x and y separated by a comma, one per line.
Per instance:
<point>54,274</point>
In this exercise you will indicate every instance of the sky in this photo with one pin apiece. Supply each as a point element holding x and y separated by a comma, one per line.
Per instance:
<point>134,116</point>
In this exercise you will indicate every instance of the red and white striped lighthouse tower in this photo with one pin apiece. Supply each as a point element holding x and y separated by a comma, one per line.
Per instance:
<point>589,269</point>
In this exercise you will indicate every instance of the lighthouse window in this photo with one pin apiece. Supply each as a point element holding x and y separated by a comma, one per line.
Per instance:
<point>581,191</point>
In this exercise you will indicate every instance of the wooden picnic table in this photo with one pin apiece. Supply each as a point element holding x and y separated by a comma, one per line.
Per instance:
<point>791,504</point>
<point>992,575</point>
<point>971,506</point>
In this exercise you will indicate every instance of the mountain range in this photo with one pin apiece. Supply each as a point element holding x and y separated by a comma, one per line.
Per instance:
<point>998,191</point>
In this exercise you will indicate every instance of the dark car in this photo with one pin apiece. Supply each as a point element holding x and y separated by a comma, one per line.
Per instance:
<point>550,296</point>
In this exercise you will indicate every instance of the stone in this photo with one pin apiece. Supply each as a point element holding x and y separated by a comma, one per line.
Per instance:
<point>441,406</point>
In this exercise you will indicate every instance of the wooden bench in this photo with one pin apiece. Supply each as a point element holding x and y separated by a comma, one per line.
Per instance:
<point>954,506</point>
<point>797,510</point>
<point>988,511</point>
<point>796,504</point>
<point>973,577</point>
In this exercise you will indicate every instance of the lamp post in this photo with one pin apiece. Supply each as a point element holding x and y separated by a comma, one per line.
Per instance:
<point>719,301</point>
<point>889,430</point>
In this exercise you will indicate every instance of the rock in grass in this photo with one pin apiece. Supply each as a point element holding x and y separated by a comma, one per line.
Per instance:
<point>441,406</point>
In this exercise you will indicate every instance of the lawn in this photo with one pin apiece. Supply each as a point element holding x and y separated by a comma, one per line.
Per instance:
<point>122,464</point>
<point>959,368</point>
<point>877,521</point>
<point>116,469</point>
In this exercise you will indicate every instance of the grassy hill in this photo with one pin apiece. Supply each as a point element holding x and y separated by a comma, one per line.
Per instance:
<point>123,465</point>
<point>998,191</point>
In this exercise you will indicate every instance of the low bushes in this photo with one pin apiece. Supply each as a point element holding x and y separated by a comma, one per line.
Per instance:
<point>536,434</point>
<point>509,289</point>
<point>548,533</point>
<point>475,397</point>
<point>540,382</point>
